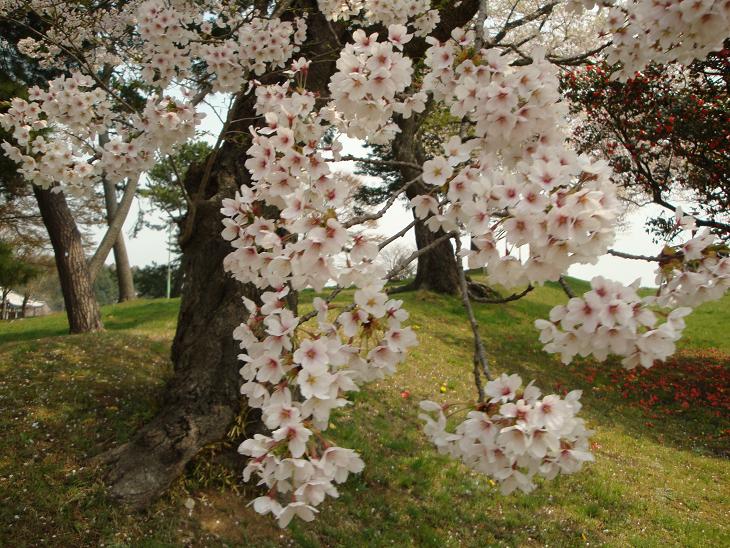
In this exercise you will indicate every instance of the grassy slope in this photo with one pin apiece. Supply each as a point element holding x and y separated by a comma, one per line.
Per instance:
<point>66,398</point>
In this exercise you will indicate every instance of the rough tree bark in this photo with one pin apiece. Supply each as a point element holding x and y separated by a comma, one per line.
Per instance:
<point>79,299</point>
<point>203,398</point>
<point>125,280</point>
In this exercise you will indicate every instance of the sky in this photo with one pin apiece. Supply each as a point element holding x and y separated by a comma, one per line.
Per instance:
<point>150,245</point>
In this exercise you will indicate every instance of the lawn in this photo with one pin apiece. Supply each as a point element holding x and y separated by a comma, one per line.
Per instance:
<point>662,442</point>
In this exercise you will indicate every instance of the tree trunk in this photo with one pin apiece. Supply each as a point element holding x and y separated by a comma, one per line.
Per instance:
<point>125,279</point>
<point>26,298</point>
<point>436,270</point>
<point>82,309</point>
<point>203,397</point>
<point>3,314</point>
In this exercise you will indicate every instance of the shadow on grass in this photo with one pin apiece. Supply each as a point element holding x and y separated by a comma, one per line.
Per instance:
<point>64,402</point>
<point>158,314</point>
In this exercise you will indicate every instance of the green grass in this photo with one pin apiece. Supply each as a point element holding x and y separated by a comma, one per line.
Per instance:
<point>658,479</point>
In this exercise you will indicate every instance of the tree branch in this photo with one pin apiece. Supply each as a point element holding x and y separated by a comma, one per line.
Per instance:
<point>630,256</point>
<point>480,357</point>
<point>568,290</point>
<point>378,214</point>
<point>115,227</point>
<point>392,163</point>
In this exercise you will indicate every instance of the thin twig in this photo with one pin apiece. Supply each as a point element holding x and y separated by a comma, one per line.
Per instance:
<point>378,214</point>
<point>393,163</point>
<point>413,256</point>
<point>480,357</point>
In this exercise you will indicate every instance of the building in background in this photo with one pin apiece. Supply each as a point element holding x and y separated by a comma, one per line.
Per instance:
<point>17,306</point>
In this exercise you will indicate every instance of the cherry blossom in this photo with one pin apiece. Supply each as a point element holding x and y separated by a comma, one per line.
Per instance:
<point>516,436</point>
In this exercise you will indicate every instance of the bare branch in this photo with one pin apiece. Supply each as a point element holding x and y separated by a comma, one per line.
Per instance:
<point>509,25</point>
<point>631,256</point>
<point>568,290</point>
<point>398,234</point>
<point>393,163</point>
<point>425,249</point>
<point>480,357</point>
<point>378,214</point>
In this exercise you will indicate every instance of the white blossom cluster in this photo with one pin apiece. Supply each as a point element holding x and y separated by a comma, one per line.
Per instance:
<point>370,75</point>
<point>516,436</point>
<point>614,319</point>
<point>417,13</point>
<point>96,31</point>
<point>514,181</point>
<point>175,32</point>
<point>297,381</point>
<point>79,129</point>
<point>297,373</point>
<point>259,44</point>
<point>665,31</point>
<point>57,134</point>
<point>694,272</point>
<point>611,319</point>
<point>165,28</point>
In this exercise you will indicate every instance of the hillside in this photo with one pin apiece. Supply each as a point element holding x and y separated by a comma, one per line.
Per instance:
<point>662,441</point>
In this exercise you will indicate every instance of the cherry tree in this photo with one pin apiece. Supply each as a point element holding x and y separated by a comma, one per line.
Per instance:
<point>303,76</point>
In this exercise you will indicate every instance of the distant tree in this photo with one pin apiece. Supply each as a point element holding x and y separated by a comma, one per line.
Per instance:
<point>57,210</point>
<point>397,259</point>
<point>151,280</point>
<point>46,278</point>
<point>164,188</point>
<point>106,287</point>
<point>420,137</point>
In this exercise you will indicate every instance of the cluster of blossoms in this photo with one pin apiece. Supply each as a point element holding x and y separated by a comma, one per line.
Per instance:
<point>417,13</point>
<point>96,31</point>
<point>77,131</point>
<point>614,319</point>
<point>514,180</point>
<point>611,319</point>
<point>166,32</point>
<point>260,44</point>
<point>175,33</point>
<point>73,106</point>
<point>295,372</point>
<point>694,272</point>
<point>665,31</point>
<point>516,435</point>
<point>370,74</point>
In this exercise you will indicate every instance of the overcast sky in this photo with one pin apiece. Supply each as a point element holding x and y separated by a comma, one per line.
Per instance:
<point>150,245</point>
